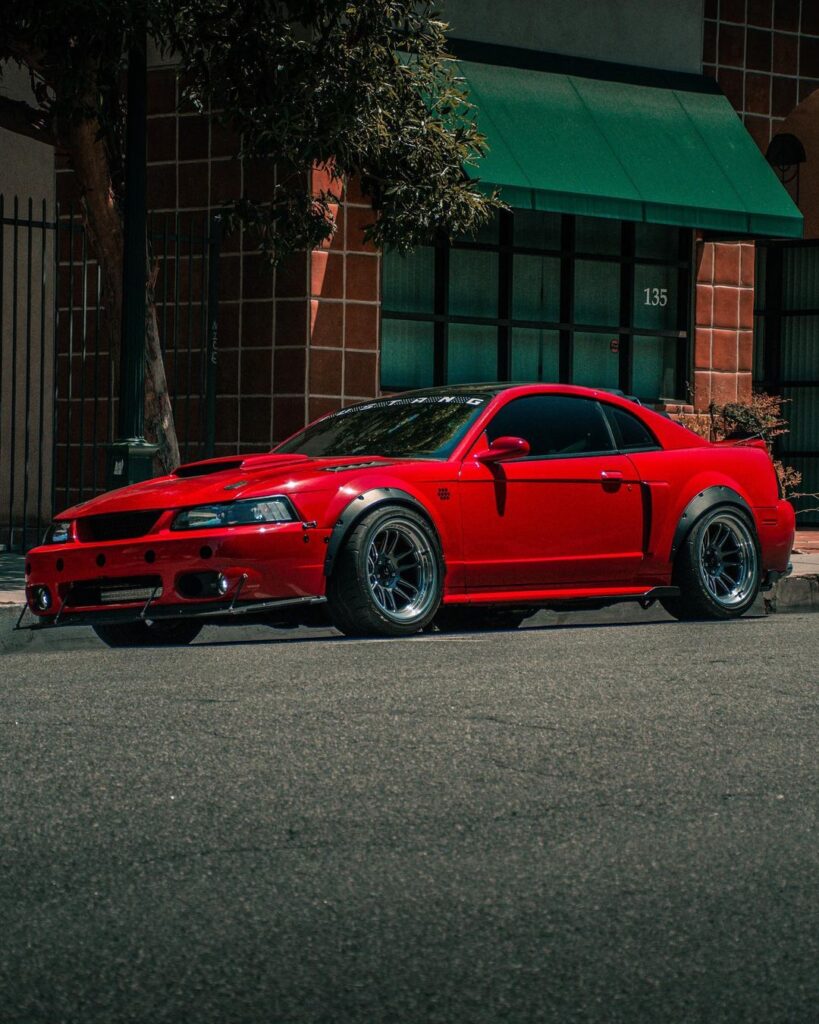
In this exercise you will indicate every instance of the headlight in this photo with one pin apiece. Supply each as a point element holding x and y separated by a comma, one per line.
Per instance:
<point>58,533</point>
<point>251,512</point>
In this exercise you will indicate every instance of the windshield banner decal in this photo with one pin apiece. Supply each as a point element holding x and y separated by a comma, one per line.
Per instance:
<point>386,403</point>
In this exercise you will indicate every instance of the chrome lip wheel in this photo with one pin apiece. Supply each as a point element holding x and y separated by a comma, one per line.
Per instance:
<point>402,574</point>
<point>727,561</point>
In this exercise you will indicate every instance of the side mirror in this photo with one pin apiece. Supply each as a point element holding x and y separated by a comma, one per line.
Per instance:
<point>503,448</point>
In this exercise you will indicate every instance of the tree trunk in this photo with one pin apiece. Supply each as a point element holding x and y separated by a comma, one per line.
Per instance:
<point>103,220</point>
<point>159,421</point>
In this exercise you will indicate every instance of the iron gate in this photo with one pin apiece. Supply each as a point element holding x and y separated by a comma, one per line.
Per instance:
<point>58,388</point>
<point>786,352</point>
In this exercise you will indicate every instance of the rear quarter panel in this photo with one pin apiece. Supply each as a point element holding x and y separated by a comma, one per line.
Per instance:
<point>674,477</point>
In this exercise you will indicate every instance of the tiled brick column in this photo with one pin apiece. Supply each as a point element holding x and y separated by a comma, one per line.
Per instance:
<point>724,318</point>
<point>327,321</point>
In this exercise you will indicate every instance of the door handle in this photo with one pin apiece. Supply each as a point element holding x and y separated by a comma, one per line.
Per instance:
<point>611,474</point>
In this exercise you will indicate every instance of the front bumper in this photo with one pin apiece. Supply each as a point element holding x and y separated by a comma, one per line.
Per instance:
<point>262,565</point>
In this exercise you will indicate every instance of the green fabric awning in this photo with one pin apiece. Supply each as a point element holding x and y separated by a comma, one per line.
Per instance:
<point>585,145</point>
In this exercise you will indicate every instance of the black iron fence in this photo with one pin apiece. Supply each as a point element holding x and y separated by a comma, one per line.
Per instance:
<point>27,372</point>
<point>58,377</point>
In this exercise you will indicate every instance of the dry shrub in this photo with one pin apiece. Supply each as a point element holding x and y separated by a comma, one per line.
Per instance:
<point>762,418</point>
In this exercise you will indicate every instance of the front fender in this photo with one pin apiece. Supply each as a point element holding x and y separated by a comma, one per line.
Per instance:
<point>363,503</point>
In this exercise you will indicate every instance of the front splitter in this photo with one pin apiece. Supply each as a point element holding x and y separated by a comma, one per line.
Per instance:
<point>220,610</point>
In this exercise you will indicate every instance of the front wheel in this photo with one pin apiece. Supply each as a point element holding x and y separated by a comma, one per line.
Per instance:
<point>717,568</point>
<point>148,634</point>
<point>389,577</point>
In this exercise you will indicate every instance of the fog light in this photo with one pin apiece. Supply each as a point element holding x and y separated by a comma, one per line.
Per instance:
<point>222,583</point>
<point>42,598</point>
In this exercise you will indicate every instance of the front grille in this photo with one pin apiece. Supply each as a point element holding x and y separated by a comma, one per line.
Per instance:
<point>117,525</point>
<point>125,590</point>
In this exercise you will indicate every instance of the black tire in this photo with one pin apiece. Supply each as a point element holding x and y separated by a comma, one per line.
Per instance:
<point>466,620</point>
<point>154,634</point>
<point>717,567</point>
<point>375,589</point>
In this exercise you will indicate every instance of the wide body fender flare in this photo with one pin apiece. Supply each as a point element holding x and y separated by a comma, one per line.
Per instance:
<point>365,502</point>
<point>706,499</point>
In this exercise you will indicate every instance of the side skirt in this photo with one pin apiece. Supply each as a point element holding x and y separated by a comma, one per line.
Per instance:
<point>576,597</point>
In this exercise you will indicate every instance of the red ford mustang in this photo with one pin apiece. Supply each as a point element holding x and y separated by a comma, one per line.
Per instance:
<point>465,507</point>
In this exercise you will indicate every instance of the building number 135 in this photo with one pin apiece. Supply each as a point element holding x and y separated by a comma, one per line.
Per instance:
<point>655,296</point>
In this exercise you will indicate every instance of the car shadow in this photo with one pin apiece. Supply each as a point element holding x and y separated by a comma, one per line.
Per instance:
<point>466,635</point>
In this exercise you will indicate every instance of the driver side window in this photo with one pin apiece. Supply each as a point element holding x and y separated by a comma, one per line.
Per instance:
<point>554,426</point>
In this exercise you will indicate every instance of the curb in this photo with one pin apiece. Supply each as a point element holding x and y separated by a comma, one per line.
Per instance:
<point>794,594</point>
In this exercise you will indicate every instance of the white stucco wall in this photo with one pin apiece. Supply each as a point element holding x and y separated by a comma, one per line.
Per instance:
<point>650,33</point>
<point>26,166</point>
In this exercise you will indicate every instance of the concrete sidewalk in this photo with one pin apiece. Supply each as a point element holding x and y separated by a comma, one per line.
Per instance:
<point>12,579</point>
<point>800,592</point>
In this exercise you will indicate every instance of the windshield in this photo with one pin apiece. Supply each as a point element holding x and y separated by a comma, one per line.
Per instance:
<point>414,426</point>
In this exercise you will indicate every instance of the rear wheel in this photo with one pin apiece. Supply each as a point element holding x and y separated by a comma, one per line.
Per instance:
<point>388,576</point>
<point>716,568</point>
<point>145,634</point>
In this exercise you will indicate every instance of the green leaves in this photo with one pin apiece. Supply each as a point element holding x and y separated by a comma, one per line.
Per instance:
<point>366,87</point>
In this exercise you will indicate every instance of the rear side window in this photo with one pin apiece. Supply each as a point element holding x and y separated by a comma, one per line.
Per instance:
<point>554,425</point>
<point>629,432</point>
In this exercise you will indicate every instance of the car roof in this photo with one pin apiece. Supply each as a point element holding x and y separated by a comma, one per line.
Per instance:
<point>670,434</point>
<point>498,387</point>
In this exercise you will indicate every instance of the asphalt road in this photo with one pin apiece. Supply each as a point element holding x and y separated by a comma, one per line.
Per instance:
<point>598,821</point>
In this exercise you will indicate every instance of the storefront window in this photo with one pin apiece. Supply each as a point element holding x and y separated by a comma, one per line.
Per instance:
<point>407,352</point>
<point>472,354</point>
<point>535,355</point>
<point>473,283</point>
<point>595,361</point>
<point>410,281</point>
<point>542,296</point>
<point>597,293</point>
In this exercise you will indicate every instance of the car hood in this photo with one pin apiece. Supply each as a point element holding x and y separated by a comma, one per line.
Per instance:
<point>227,479</point>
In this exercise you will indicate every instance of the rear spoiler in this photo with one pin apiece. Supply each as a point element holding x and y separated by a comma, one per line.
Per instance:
<point>743,442</point>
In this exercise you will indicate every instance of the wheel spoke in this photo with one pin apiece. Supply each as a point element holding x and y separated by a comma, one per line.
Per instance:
<point>728,563</point>
<point>401,570</point>
<point>719,586</point>
<point>721,536</point>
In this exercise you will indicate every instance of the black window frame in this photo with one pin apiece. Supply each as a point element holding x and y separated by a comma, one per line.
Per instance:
<point>565,326</point>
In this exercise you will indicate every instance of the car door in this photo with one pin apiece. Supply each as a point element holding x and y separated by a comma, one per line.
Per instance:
<point>568,513</point>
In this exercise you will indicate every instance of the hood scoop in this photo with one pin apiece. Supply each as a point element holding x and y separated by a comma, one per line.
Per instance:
<point>235,462</point>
